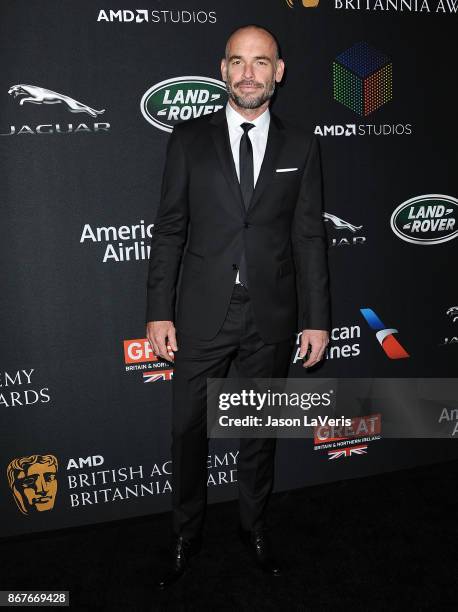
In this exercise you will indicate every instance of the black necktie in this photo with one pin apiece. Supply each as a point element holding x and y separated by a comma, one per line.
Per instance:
<point>246,164</point>
<point>246,184</point>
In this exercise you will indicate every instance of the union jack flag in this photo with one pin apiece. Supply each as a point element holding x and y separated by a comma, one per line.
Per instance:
<point>157,375</point>
<point>348,452</point>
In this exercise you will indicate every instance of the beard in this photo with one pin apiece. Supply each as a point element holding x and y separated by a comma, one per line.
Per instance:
<point>251,100</point>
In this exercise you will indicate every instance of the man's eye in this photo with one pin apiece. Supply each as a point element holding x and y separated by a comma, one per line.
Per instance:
<point>261,62</point>
<point>29,481</point>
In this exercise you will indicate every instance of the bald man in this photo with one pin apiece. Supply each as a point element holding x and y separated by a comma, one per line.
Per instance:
<point>248,187</point>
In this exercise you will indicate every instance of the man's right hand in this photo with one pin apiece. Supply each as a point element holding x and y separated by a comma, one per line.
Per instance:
<point>161,336</point>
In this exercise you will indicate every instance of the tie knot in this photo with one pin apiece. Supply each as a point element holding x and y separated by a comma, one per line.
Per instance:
<point>246,127</point>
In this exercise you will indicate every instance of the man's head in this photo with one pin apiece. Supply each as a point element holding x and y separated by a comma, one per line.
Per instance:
<point>251,66</point>
<point>33,482</point>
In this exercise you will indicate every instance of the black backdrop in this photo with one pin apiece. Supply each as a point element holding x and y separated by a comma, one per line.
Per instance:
<point>68,317</point>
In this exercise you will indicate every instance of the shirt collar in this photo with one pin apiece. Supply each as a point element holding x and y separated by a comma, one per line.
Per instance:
<point>235,119</point>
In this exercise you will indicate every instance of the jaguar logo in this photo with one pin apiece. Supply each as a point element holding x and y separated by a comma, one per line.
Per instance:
<point>452,312</point>
<point>40,95</point>
<point>340,224</point>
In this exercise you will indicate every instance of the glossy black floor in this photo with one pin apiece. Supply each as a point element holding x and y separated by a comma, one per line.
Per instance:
<point>386,542</point>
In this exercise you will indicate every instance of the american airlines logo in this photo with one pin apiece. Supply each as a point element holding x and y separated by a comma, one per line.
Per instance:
<point>385,335</point>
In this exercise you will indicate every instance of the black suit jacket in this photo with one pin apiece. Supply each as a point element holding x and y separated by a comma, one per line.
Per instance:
<point>202,224</point>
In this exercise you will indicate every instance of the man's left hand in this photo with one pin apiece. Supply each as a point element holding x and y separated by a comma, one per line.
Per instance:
<point>317,339</point>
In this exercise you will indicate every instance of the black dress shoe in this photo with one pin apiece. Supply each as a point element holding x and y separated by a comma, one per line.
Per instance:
<point>258,542</point>
<point>183,549</point>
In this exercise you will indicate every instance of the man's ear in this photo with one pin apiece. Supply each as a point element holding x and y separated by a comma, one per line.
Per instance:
<point>224,69</point>
<point>280,70</point>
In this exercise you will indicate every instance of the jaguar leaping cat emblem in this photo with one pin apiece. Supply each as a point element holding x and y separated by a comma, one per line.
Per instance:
<point>40,95</point>
<point>340,224</point>
<point>453,313</point>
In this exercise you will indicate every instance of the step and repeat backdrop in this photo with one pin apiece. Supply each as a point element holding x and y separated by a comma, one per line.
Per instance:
<point>89,94</point>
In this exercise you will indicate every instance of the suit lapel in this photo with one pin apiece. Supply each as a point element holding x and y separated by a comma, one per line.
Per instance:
<point>220,135</point>
<point>275,139</point>
<point>274,143</point>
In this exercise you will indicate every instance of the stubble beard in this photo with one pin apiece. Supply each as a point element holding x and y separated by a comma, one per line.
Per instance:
<point>251,101</point>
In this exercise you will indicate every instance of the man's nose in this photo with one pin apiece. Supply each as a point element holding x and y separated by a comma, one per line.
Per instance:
<point>248,72</point>
<point>40,485</point>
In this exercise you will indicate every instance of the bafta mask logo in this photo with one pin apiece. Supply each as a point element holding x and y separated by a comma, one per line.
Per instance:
<point>305,3</point>
<point>33,482</point>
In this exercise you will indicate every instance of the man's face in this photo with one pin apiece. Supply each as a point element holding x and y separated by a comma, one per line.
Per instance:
<point>38,487</point>
<point>251,68</point>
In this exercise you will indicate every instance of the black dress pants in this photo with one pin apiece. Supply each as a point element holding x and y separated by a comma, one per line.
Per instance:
<point>195,361</point>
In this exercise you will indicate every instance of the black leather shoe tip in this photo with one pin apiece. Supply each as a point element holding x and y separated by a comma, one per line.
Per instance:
<point>259,544</point>
<point>182,552</point>
<point>170,578</point>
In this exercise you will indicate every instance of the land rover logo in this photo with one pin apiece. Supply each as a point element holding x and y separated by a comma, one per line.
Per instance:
<point>426,219</point>
<point>175,100</point>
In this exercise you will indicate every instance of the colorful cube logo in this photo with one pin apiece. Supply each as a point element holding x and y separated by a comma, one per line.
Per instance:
<point>362,79</point>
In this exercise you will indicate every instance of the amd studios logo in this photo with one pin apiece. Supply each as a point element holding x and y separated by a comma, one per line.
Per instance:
<point>167,103</point>
<point>156,16</point>
<point>362,81</point>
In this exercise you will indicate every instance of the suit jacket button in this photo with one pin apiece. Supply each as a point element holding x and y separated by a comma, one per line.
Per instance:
<point>247,224</point>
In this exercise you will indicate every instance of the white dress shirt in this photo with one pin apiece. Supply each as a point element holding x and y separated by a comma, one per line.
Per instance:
<point>257,136</point>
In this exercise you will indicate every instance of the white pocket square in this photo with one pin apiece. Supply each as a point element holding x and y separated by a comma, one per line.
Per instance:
<point>286,169</point>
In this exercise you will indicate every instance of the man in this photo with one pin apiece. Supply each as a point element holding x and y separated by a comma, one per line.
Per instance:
<point>244,189</point>
<point>33,482</point>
